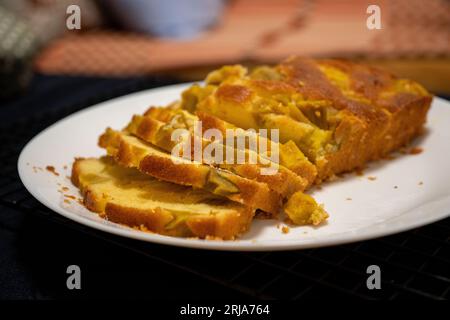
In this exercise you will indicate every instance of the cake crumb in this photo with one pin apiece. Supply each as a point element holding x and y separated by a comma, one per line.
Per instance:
<point>65,189</point>
<point>214,238</point>
<point>285,229</point>
<point>359,172</point>
<point>348,199</point>
<point>395,187</point>
<point>52,170</point>
<point>65,167</point>
<point>372,178</point>
<point>70,196</point>
<point>415,150</point>
<point>66,201</point>
<point>420,183</point>
<point>141,227</point>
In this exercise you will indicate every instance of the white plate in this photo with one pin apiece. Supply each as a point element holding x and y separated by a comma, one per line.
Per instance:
<point>377,208</point>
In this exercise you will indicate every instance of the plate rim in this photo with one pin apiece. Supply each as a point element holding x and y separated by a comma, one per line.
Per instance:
<point>229,245</point>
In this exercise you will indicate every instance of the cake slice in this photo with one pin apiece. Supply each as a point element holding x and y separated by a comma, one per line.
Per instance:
<point>290,156</point>
<point>127,196</point>
<point>278,178</point>
<point>130,151</point>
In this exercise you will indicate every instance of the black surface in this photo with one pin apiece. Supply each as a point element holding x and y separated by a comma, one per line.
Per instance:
<point>37,245</point>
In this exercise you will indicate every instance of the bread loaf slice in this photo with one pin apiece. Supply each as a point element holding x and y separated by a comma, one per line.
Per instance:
<point>131,151</point>
<point>127,196</point>
<point>290,156</point>
<point>281,180</point>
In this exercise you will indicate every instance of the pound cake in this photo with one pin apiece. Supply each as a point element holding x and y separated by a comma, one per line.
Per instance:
<point>124,195</point>
<point>339,114</point>
<point>290,156</point>
<point>332,117</point>
<point>129,151</point>
<point>283,181</point>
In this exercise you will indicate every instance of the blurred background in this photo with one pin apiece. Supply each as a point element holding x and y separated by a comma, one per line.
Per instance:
<point>184,39</point>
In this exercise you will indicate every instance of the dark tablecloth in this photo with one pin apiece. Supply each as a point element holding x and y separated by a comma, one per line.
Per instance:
<point>37,246</point>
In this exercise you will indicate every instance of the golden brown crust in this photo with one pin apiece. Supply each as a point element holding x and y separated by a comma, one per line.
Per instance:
<point>234,93</point>
<point>161,114</point>
<point>75,176</point>
<point>165,169</point>
<point>153,220</point>
<point>312,83</point>
<point>283,181</point>
<point>224,225</point>
<point>270,87</point>
<point>148,128</point>
<point>372,126</point>
<point>304,75</point>
<point>303,169</point>
<point>367,80</point>
<point>145,127</point>
<point>251,193</point>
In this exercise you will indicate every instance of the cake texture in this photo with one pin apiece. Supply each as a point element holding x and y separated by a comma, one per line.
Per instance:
<point>127,196</point>
<point>340,114</point>
<point>329,116</point>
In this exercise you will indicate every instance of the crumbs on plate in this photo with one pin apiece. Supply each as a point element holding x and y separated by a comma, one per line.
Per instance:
<point>415,150</point>
<point>285,229</point>
<point>52,170</point>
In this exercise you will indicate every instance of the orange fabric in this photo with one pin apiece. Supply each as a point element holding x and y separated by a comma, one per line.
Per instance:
<point>262,31</point>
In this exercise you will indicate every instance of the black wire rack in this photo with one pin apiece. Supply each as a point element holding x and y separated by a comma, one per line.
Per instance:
<point>414,264</point>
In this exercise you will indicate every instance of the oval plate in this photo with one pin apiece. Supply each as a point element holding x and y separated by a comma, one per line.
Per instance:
<point>392,195</point>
